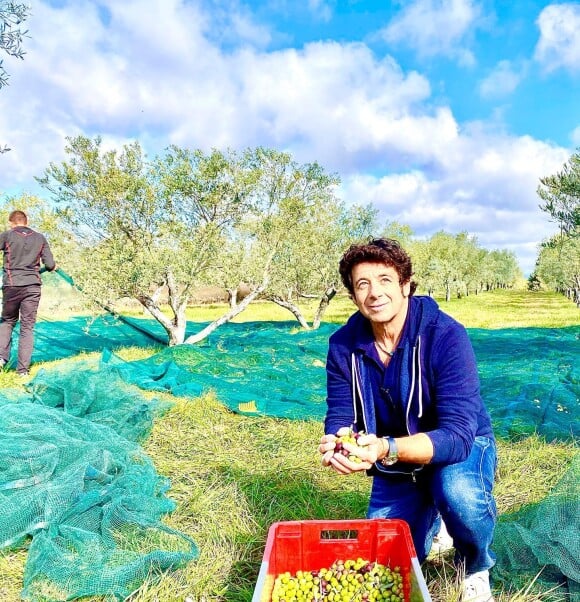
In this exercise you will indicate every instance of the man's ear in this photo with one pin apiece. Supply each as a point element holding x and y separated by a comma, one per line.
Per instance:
<point>406,288</point>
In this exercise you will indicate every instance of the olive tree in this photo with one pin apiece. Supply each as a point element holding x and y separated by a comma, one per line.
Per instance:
<point>403,233</point>
<point>558,265</point>
<point>444,261</point>
<point>12,15</point>
<point>469,255</point>
<point>561,196</point>
<point>286,247</point>
<point>142,225</point>
<point>42,217</point>
<point>306,268</point>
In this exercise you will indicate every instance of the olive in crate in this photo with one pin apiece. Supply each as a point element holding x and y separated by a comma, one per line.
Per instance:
<point>344,581</point>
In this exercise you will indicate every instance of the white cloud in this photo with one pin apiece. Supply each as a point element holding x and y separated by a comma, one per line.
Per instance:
<point>320,9</point>
<point>487,189</point>
<point>559,43</point>
<point>575,136</point>
<point>153,71</point>
<point>233,24</point>
<point>502,81</point>
<point>435,27</point>
<point>339,104</point>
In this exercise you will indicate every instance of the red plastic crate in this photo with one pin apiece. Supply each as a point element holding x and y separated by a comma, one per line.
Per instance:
<point>314,544</point>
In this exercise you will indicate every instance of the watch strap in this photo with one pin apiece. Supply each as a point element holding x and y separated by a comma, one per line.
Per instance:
<point>392,452</point>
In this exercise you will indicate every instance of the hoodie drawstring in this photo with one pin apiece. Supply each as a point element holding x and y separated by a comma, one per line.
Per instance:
<point>420,382</point>
<point>415,365</point>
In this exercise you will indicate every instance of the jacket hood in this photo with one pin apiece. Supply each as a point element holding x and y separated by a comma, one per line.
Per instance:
<point>425,312</point>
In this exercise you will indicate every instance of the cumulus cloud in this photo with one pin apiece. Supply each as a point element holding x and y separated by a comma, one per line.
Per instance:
<point>575,136</point>
<point>338,103</point>
<point>502,80</point>
<point>155,71</point>
<point>559,43</point>
<point>435,27</point>
<point>488,189</point>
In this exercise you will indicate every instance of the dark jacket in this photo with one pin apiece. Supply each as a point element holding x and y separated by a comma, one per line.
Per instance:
<point>438,383</point>
<point>24,249</point>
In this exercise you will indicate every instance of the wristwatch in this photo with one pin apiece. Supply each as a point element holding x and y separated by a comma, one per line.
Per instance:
<point>392,452</point>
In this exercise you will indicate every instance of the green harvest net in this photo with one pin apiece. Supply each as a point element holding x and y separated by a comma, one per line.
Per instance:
<point>76,487</point>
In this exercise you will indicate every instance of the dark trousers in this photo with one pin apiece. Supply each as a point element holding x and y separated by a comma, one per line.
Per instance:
<point>19,303</point>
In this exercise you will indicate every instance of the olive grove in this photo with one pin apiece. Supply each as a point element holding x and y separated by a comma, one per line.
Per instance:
<point>252,219</point>
<point>456,264</point>
<point>189,218</point>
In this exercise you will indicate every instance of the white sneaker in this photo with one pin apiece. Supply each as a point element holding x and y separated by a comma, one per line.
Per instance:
<point>442,542</point>
<point>475,588</point>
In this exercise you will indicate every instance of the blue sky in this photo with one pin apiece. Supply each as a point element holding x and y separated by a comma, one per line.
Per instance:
<point>442,113</point>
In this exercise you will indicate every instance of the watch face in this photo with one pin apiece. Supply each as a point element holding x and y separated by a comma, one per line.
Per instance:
<point>389,461</point>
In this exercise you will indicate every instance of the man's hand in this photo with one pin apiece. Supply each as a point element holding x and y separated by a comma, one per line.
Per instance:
<point>45,269</point>
<point>367,448</point>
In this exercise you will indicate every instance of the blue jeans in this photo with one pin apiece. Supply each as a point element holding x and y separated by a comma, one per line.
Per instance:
<point>459,493</point>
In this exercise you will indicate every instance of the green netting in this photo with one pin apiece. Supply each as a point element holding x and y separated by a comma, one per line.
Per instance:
<point>543,539</point>
<point>80,491</point>
<point>278,370</point>
<point>531,380</point>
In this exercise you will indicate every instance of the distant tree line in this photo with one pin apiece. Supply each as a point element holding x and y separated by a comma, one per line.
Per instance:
<point>157,230</point>
<point>558,263</point>
<point>457,265</point>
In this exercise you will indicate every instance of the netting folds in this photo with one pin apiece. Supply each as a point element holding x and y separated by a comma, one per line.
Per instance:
<point>78,489</point>
<point>75,480</point>
<point>543,540</point>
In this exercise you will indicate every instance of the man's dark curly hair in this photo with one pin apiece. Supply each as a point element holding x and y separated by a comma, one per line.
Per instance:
<point>377,250</point>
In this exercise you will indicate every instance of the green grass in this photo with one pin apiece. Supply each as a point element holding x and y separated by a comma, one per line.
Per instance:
<point>513,309</point>
<point>494,309</point>
<point>251,472</point>
<point>233,476</point>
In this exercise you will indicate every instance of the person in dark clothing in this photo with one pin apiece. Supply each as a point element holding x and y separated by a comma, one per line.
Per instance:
<point>23,250</point>
<point>404,373</point>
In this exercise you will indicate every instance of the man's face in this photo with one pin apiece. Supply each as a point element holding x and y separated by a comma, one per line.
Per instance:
<point>378,294</point>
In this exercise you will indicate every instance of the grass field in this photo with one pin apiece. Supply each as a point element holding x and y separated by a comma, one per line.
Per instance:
<point>233,476</point>
<point>495,309</point>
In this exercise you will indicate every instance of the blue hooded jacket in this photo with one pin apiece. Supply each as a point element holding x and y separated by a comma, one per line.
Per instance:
<point>437,380</point>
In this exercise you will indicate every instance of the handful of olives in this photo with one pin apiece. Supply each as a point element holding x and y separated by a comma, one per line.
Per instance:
<point>345,581</point>
<point>351,437</point>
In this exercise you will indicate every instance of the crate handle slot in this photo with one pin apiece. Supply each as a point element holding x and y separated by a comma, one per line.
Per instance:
<point>339,534</point>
